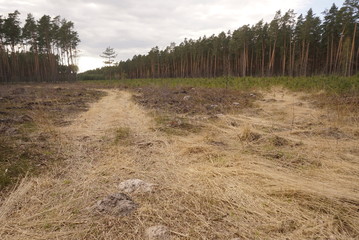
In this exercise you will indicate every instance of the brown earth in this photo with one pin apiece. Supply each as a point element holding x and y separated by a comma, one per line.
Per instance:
<point>282,169</point>
<point>189,100</point>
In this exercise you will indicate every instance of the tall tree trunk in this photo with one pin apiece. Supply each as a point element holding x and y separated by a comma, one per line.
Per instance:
<point>352,52</point>
<point>244,61</point>
<point>337,58</point>
<point>271,63</point>
<point>306,60</point>
<point>263,55</point>
<point>331,55</point>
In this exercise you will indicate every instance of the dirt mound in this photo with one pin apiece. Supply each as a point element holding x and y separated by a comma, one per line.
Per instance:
<point>117,204</point>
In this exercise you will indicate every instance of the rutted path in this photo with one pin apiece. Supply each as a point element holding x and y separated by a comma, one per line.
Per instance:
<point>87,143</point>
<point>114,110</point>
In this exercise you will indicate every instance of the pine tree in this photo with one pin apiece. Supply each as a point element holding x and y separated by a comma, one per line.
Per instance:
<point>109,54</point>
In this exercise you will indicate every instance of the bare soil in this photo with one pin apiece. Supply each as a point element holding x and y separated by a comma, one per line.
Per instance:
<point>188,100</point>
<point>280,169</point>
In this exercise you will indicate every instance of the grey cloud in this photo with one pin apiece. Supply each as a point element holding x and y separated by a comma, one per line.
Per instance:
<point>134,26</point>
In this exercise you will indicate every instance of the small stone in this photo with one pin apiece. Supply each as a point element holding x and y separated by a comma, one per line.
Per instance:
<point>136,186</point>
<point>236,103</point>
<point>158,232</point>
<point>186,98</point>
<point>117,204</point>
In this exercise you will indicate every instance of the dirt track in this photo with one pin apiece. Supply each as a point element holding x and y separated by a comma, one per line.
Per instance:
<point>281,170</point>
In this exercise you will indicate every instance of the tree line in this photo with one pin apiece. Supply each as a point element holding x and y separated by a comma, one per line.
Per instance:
<point>288,45</point>
<point>40,50</point>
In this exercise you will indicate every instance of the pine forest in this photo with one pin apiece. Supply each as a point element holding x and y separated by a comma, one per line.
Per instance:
<point>289,45</point>
<point>41,50</point>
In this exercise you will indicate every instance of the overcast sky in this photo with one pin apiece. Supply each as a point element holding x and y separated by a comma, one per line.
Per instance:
<point>135,26</point>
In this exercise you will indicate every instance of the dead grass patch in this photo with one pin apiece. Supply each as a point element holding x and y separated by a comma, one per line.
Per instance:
<point>340,213</point>
<point>176,125</point>
<point>248,135</point>
<point>344,107</point>
<point>279,141</point>
<point>289,159</point>
<point>122,135</point>
<point>195,150</point>
<point>26,119</point>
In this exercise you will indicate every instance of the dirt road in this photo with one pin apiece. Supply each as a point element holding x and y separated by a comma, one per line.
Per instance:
<point>281,170</point>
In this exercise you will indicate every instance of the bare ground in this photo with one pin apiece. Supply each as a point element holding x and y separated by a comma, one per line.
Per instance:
<point>281,170</point>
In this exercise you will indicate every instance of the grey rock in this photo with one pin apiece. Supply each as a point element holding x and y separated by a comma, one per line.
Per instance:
<point>158,232</point>
<point>186,98</point>
<point>136,186</point>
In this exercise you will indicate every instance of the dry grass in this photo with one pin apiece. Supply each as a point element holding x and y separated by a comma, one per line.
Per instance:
<point>248,135</point>
<point>27,118</point>
<point>213,184</point>
<point>122,135</point>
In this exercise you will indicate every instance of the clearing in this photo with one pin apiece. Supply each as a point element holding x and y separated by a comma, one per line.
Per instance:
<point>279,169</point>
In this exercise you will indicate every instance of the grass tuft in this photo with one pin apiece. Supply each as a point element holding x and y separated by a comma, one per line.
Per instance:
<point>122,135</point>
